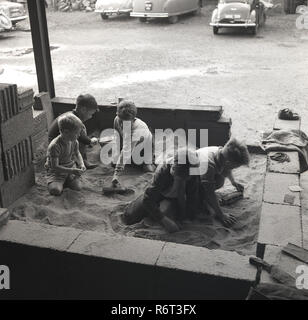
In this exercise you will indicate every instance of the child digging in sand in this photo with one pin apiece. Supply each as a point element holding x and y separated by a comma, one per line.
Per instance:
<point>86,106</point>
<point>221,161</point>
<point>172,195</point>
<point>62,155</point>
<point>130,132</point>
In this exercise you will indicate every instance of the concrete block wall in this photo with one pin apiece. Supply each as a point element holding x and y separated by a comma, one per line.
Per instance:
<point>49,262</point>
<point>16,129</point>
<point>282,218</point>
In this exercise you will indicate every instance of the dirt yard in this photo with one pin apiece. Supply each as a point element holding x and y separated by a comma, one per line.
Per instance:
<point>250,76</point>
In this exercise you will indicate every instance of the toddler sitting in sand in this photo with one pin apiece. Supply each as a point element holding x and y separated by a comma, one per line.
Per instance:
<point>86,106</point>
<point>221,161</point>
<point>130,132</point>
<point>172,195</point>
<point>63,154</point>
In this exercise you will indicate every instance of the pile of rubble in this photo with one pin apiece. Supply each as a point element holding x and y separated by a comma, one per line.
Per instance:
<point>74,5</point>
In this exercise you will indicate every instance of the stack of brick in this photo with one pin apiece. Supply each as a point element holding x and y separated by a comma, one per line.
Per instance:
<point>17,127</point>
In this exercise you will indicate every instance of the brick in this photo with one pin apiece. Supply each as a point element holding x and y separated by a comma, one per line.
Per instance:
<point>39,235</point>
<point>284,167</point>
<point>274,256</point>
<point>16,129</point>
<point>286,124</point>
<point>280,224</point>
<point>277,186</point>
<point>25,98</point>
<point>43,102</point>
<point>40,121</point>
<point>117,247</point>
<point>218,263</point>
<point>13,189</point>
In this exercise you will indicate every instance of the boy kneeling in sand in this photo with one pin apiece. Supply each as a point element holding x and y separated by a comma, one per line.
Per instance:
<point>129,133</point>
<point>221,161</point>
<point>171,196</point>
<point>86,106</point>
<point>62,155</point>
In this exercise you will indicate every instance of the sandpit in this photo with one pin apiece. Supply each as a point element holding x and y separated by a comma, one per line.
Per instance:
<point>90,210</point>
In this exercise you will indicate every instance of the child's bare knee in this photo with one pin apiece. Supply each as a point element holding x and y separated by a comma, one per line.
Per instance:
<point>55,190</point>
<point>76,185</point>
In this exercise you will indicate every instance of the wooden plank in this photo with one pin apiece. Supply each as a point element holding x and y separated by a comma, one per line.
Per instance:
<point>16,129</point>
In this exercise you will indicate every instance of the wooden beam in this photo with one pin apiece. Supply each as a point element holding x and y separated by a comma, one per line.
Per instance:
<point>41,47</point>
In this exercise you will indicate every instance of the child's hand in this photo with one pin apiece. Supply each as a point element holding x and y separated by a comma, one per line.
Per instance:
<point>115,181</point>
<point>239,187</point>
<point>94,141</point>
<point>226,219</point>
<point>77,172</point>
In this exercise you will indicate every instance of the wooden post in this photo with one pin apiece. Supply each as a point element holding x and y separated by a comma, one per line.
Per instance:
<point>41,47</point>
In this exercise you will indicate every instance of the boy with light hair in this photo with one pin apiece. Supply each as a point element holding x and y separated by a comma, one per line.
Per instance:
<point>220,163</point>
<point>62,156</point>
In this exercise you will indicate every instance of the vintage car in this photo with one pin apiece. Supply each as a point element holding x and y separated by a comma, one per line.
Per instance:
<point>5,22</point>
<point>14,11</point>
<point>170,9</point>
<point>249,14</point>
<point>113,7</point>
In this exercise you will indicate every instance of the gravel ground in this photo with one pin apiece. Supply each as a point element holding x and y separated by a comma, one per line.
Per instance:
<point>252,77</point>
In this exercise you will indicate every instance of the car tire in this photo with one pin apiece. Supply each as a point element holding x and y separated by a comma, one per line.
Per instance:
<point>173,19</point>
<point>198,11</point>
<point>215,30</point>
<point>104,16</point>
<point>290,6</point>
<point>143,20</point>
<point>254,30</point>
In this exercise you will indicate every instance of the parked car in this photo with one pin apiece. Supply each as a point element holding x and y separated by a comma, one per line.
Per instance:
<point>249,14</point>
<point>5,22</point>
<point>109,8</point>
<point>14,11</point>
<point>170,9</point>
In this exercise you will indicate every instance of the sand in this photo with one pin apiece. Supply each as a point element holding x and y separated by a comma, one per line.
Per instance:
<point>90,210</point>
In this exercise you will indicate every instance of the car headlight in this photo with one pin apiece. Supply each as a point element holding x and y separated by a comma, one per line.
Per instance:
<point>252,18</point>
<point>6,11</point>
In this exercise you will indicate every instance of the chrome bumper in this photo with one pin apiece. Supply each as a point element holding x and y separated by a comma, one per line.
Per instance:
<point>17,19</point>
<point>149,15</point>
<point>231,25</point>
<point>117,11</point>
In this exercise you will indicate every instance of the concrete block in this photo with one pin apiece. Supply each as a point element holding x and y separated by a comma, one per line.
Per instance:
<point>284,167</point>
<point>4,216</point>
<point>274,256</point>
<point>13,189</point>
<point>16,129</point>
<point>25,98</point>
<point>286,124</point>
<point>218,263</point>
<point>304,185</point>
<point>117,247</point>
<point>39,235</point>
<point>305,230</point>
<point>279,225</point>
<point>10,106</point>
<point>277,186</point>
<point>40,121</point>
<point>188,272</point>
<point>43,102</point>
